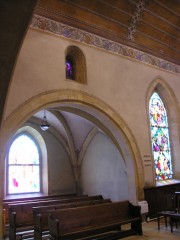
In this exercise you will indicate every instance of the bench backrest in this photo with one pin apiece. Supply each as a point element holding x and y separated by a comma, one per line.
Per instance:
<point>43,197</point>
<point>89,216</point>
<point>41,213</point>
<point>7,202</point>
<point>83,202</point>
<point>24,214</point>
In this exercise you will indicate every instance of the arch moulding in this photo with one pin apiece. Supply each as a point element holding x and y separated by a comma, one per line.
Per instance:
<point>53,98</point>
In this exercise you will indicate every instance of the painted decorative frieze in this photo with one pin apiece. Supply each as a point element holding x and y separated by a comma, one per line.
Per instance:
<point>48,25</point>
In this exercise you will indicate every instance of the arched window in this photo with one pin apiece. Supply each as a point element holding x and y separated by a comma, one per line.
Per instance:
<point>23,165</point>
<point>160,138</point>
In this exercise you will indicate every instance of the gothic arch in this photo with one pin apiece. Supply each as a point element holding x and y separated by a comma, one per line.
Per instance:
<point>171,104</point>
<point>125,139</point>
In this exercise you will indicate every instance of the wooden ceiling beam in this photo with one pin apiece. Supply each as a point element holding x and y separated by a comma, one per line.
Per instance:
<point>121,5</point>
<point>172,5</point>
<point>147,25</point>
<point>163,13</point>
<point>170,41</point>
<point>103,10</point>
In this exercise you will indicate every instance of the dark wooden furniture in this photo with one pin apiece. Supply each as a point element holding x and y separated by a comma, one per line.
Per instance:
<point>154,196</point>
<point>41,214</point>
<point>173,216</point>
<point>41,197</point>
<point>87,222</point>
<point>6,202</point>
<point>171,210</point>
<point>21,215</point>
<point>169,206</point>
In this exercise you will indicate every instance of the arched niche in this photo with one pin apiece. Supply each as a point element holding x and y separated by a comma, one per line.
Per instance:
<point>124,139</point>
<point>75,64</point>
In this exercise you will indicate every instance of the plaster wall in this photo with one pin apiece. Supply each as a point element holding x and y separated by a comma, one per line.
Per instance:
<point>120,82</point>
<point>104,171</point>
<point>61,180</point>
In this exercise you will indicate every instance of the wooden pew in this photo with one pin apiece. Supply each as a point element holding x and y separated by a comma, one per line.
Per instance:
<point>6,202</point>
<point>42,197</point>
<point>21,215</point>
<point>41,214</point>
<point>90,221</point>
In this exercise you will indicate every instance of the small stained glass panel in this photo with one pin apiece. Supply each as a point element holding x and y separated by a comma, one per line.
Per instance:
<point>160,138</point>
<point>69,69</point>
<point>157,112</point>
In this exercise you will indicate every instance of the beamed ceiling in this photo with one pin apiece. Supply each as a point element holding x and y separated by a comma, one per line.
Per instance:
<point>151,26</point>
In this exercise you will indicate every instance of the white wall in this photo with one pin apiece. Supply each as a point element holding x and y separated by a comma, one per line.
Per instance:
<point>121,83</point>
<point>103,170</point>
<point>61,179</point>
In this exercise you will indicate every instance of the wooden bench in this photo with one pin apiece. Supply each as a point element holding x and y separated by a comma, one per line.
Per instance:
<point>21,215</point>
<point>41,214</point>
<point>41,197</point>
<point>6,202</point>
<point>90,221</point>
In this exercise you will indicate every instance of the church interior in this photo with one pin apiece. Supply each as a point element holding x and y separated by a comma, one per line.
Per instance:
<point>90,102</point>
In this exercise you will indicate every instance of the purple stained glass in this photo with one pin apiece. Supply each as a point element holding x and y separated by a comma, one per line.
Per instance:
<point>160,138</point>
<point>69,69</point>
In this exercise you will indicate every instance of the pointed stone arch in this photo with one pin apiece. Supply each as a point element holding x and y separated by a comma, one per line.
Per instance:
<point>122,133</point>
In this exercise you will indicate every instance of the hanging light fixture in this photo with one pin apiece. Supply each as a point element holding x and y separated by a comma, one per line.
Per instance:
<point>44,125</point>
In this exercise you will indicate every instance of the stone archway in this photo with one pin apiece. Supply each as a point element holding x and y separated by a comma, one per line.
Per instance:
<point>125,139</point>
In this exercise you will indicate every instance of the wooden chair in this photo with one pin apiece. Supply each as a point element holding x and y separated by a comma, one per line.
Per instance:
<point>168,209</point>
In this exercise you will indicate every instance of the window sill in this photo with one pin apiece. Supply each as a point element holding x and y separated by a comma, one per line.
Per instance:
<point>167,182</point>
<point>21,196</point>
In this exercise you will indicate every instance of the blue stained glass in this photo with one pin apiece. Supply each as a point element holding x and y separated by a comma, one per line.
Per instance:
<point>160,138</point>
<point>157,112</point>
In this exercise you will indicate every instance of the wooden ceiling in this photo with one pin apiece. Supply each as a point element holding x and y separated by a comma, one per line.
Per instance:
<point>152,26</point>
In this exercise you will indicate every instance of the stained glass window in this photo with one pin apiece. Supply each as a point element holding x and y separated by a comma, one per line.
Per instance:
<point>160,138</point>
<point>23,166</point>
<point>69,68</point>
